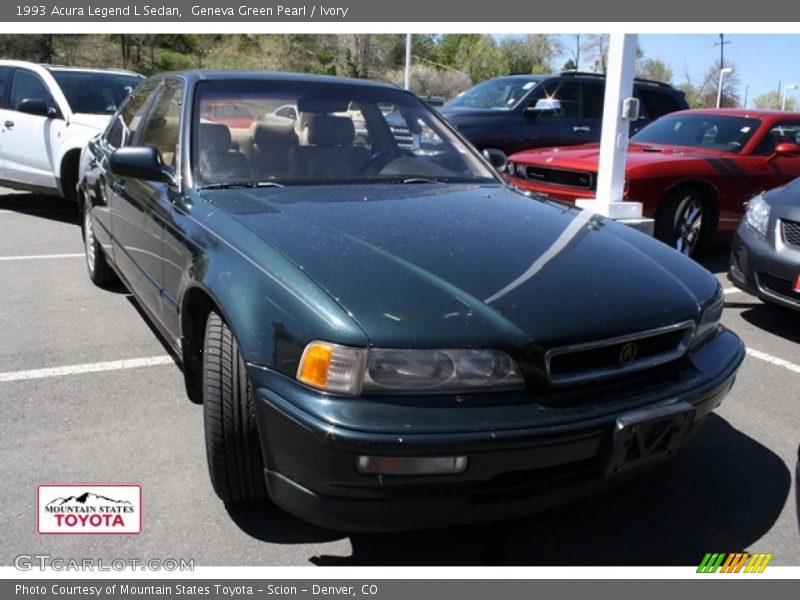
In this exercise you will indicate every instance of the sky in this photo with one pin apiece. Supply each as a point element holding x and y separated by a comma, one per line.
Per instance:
<point>761,60</point>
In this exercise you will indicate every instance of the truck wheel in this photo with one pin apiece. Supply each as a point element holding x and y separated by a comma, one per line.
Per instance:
<point>683,221</point>
<point>232,442</point>
<point>100,272</point>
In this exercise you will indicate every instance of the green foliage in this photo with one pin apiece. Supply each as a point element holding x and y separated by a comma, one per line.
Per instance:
<point>773,100</point>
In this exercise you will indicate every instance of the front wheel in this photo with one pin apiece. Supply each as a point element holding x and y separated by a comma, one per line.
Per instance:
<point>233,448</point>
<point>97,265</point>
<point>684,220</point>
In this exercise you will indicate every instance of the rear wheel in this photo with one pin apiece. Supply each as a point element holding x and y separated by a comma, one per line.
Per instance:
<point>96,264</point>
<point>684,220</point>
<point>233,448</point>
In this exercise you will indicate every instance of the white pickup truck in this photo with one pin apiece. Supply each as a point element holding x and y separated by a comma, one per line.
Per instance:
<point>47,115</point>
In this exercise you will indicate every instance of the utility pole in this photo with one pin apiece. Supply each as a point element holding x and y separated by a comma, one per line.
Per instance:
<point>721,43</point>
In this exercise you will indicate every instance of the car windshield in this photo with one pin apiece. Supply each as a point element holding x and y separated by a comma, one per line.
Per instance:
<point>715,132</point>
<point>321,133</point>
<point>95,92</point>
<point>495,94</point>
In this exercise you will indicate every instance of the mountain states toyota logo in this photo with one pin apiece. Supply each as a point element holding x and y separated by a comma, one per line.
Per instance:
<point>91,508</point>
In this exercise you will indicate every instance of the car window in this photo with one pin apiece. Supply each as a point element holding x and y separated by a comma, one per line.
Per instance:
<point>593,100</point>
<point>161,125</point>
<point>4,73</point>
<point>716,132</point>
<point>783,132</point>
<point>122,129</point>
<point>94,92</point>
<point>343,133</point>
<point>27,84</point>
<point>495,94</point>
<point>657,104</point>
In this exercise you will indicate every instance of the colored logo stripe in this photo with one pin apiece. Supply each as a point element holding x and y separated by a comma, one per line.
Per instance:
<point>735,562</point>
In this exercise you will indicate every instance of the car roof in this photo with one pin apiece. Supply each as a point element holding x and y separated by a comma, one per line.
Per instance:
<point>51,67</point>
<point>752,113</point>
<point>213,75</point>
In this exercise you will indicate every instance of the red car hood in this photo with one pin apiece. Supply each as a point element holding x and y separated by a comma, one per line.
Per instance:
<point>585,157</point>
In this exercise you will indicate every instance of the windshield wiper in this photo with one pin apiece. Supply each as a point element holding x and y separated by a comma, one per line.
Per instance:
<point>246,184</point>
<point>422,180</point>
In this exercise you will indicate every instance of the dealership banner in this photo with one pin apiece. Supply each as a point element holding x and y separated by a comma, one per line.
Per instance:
<point>412,11</point>
<point>386,589</point>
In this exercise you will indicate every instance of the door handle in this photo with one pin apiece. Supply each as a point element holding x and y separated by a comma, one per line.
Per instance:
<point>9,124</point>
<point>584,128</point>
<point>118,186</point>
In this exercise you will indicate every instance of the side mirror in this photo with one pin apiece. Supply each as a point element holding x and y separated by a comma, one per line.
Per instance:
<point>139,162</point>
<point>36,106</point>
<point>497,158</point>
<point>786,149</point>
<point>546,105</point>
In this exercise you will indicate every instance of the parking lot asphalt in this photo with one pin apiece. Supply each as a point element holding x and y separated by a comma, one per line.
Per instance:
<point>73,413</point>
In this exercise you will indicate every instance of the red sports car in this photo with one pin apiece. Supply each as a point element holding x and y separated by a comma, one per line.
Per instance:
<point>693,170</point>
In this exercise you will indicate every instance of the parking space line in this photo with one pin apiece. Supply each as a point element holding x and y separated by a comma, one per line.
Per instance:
<point>40,256</point>
<point>778,362</point>
<point>730,290</point>
<point>112,365</point>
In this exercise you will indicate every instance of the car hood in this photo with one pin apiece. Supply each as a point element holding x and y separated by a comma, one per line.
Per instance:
<point>92,121</point>
<point>460,265</point>
<point>587,156</point>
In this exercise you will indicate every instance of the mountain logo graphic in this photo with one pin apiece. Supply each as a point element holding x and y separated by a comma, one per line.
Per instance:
<point>86,499</point>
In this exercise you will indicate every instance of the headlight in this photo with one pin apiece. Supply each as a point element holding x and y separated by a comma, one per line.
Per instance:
<point>757,215</point>
<point>709,320</point>
<point>339,369</point>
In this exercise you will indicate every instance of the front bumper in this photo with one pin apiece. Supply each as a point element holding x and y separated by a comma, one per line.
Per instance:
<point>765,267</point>
<point>523,457</point>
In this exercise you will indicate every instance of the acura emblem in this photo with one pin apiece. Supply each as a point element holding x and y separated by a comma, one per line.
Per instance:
<point>628,353</point>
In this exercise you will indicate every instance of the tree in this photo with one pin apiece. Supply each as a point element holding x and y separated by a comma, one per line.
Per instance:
<point>773,100</point>
<point>596,47</point>
<point>654,69</point>
<point>531,54</point>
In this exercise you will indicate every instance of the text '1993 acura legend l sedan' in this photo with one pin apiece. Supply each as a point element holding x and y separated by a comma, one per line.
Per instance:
<point>384,334</point>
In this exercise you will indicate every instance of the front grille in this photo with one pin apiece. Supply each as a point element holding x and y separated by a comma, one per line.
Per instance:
<point>791,232</point>
<point>577,179</point>
<point>616,356</point>
<point>778,286</point>
<point>403,137</point>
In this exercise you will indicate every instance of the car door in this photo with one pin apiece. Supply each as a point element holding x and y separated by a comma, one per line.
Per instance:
<point>27,139</point>
<point>118,133</point>
<point>5,72</point>
<point>138,207</point>
<point>563,126</point>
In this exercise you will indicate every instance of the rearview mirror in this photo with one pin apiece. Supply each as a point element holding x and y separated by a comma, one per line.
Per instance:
<point>139,162</point>
<point>546,105</point>
<point>36,106</point>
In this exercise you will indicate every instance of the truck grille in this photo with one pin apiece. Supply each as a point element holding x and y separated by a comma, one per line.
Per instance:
<point>791,232</point>
<point>601,359</point>
<point>577,179</point>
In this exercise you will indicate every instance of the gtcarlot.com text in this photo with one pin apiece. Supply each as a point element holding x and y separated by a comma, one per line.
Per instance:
<point>42,562</point>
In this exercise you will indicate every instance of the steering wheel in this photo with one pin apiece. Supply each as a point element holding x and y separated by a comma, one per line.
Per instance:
<point>382,158</point>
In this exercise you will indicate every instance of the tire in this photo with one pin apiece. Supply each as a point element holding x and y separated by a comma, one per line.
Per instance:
<point>233,448</point>
<point>97,265</point>
<point>684,220</point>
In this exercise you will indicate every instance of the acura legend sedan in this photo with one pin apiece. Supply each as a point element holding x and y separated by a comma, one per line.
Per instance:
<point>383,333</point>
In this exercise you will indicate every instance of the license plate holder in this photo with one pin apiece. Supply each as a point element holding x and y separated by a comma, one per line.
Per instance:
<point>648,435</point>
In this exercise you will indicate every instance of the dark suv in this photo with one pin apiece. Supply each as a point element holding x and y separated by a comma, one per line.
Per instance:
<point>518,112</point>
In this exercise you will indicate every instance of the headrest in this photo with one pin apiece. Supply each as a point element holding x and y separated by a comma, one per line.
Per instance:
<point>324,130</point>
<point>214,137</point>
<point>273,134</point>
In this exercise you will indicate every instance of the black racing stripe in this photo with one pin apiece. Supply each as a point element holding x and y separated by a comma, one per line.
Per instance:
<point>718,165</point>
<point>731,164</point>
